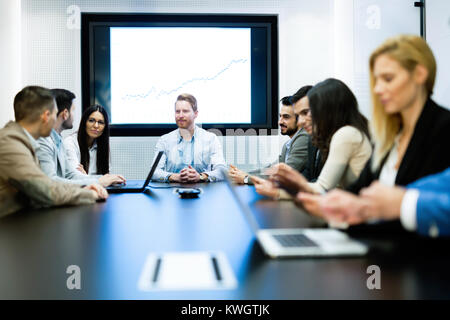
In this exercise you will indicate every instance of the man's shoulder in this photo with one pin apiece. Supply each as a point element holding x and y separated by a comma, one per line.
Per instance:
<point>12,133</point>
<point>13,140</point>
<point>45,141</point>
<point>205,134</point>
<point>301,138</point>
<point>171,135</point>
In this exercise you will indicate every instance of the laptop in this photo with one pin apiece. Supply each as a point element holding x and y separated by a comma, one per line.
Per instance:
<point>299,242</point>
<point>136,186</point>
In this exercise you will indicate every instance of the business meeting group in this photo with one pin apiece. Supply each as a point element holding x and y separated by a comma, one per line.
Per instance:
<point>336,164</point>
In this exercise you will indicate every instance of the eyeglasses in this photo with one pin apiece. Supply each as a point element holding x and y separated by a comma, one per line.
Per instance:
<point>92,121</point>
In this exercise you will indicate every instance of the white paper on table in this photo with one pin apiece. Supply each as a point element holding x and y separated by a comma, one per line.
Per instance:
<point>186,271</point>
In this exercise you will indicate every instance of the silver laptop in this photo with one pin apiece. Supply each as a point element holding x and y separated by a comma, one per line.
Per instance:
<point>299,242</point>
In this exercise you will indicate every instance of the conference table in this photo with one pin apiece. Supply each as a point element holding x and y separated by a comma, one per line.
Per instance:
<point>110,241</point>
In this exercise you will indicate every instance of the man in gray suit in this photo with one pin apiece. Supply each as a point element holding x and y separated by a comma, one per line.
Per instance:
<point>52,153</point>
<point>295,151</point>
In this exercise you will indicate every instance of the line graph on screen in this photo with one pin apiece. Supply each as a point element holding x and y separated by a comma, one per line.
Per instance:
<point>150,67</point>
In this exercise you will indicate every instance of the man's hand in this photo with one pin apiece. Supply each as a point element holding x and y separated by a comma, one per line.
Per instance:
<point>382,202</point>
<point>109,179</point>
<point>98,191</point>
<point>189,175</point>
<point>237,175</point>
<point>288,178</point>
<point>175,177</point>
<point>81,168</point>
<point>265,187</point>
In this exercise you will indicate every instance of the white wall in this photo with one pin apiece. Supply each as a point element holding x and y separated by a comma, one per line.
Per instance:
<point>317,39</point>
<point>10,62</point>
<point>51,42</point>
<point>438,37</point>
<point>51,58</point>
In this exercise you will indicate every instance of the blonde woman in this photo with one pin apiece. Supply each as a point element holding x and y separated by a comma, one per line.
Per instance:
<point>411,132</point>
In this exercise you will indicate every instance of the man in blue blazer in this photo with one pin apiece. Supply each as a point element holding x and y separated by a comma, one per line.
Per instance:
<point>432,198</point>
<point>423,206</point>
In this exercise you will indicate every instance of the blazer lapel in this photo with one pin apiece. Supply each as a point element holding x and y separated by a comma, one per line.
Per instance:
<point>283,154</point>
<point>417,145</point>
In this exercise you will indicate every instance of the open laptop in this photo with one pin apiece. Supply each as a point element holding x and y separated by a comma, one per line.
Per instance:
<point>299,242</point>
<point>136,186</point>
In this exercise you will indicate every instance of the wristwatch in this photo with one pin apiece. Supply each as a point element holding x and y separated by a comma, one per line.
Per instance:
<point>203,177</point>
<point>246,179</point>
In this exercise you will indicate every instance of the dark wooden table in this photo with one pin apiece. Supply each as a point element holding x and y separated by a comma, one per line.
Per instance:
<point>110,241</point>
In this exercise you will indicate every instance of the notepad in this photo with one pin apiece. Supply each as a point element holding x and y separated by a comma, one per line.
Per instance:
<point>187,271</point>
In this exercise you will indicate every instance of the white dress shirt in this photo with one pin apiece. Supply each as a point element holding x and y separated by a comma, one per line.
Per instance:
<point>204,153</point>
<point>409,203</point>
<point>74,155</point>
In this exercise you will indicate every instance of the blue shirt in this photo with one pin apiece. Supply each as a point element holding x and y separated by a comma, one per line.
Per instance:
<point>203,152</point>
<point>53,161</point>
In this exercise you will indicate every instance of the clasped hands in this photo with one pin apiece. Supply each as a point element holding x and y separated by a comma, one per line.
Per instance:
<point>187,175</point>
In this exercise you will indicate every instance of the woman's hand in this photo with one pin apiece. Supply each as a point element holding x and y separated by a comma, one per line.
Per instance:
<point>265,187</point>
<point>289,178</point>
<point>109,179</point>
<point>382,202</point>
<point>342,206</point>
<point>311,202</point>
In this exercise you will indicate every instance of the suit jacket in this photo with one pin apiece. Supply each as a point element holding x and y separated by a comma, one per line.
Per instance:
<point>428,151</point>
<point>433,204</point>
<point>53,161</point>
<point>314,164</point>
<point>22,182</point>
<point>298,154</point>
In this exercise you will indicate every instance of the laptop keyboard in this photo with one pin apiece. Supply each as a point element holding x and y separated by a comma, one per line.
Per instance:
<point>294,240</point>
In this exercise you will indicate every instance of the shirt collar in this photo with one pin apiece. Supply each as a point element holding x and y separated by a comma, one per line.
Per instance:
<point>94,146</point>
<point>288,144</point>
<point>180,138</point>
<point>32,140</point>
<point>56,137</point>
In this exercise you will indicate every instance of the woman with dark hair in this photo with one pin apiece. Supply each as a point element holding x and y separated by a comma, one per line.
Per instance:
<point>88,149</point>
<point>340,132</point>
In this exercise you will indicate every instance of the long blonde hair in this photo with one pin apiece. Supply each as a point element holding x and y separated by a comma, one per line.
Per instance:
<point>408,51</point>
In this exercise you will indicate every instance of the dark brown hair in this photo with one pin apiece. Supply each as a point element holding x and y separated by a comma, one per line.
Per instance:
<point>31,102</point>
<point>333,106</point>
<point>102,141</point>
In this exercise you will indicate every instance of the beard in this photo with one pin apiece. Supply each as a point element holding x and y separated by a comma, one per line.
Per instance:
<point>67,125</point>
<point>290,131</point>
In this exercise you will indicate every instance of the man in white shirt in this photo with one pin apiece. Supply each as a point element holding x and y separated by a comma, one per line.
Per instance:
<point>51,151</point>
<point>191,154</point>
